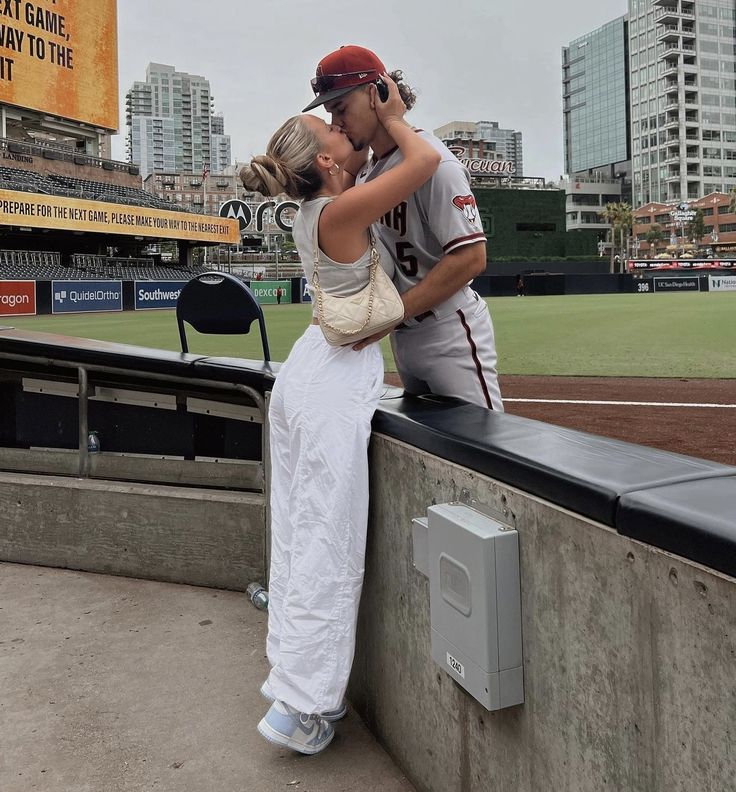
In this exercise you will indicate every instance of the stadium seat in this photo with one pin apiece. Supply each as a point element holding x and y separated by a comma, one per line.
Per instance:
<point>218,303</point>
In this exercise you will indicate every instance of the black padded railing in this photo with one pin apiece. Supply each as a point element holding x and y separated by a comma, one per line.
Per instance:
<point>681,504</point>
<point>677,503</point>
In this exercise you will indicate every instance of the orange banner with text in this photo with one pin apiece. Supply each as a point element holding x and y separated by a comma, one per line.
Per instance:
<point>33,210</point>
<point>61,57</point>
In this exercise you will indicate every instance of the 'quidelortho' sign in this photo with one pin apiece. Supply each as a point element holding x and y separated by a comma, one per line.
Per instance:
<point>17,298</point>
<point>86,296</point>
<point>157,294</point>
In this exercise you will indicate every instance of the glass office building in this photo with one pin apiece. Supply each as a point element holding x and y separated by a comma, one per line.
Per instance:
<point>683,98</point>
<point>596,103</point>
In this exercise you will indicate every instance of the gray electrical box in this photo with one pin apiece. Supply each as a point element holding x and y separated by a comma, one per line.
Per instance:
<point>472,561</point>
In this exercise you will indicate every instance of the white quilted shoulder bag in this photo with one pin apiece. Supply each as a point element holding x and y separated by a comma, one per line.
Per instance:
<point>373,309</point>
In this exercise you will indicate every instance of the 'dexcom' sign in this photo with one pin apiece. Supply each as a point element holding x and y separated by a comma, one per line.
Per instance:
<point>283,214</point>
<point>266,292</point>
<point>157,294</point>
<point>84,296</point>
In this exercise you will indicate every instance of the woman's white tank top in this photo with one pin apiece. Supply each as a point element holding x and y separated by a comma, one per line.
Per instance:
<point>342,280</point>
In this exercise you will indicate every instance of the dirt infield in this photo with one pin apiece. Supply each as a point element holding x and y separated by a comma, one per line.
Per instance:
<point>703,431</point>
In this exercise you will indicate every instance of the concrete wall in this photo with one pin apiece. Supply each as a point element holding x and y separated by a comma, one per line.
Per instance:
<point>202,537</point>
<point>628,653</point>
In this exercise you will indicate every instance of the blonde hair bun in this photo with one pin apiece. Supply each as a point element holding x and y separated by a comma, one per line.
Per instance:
<point>264,175</point>
<point>288,166</point>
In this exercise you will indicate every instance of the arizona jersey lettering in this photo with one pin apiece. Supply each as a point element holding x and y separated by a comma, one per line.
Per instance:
<point>439,217</point>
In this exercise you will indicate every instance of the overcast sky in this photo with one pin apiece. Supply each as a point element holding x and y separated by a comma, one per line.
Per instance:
<point>469,60</point>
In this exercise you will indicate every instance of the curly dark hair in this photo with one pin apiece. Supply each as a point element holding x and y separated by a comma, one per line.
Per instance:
<point>406,92</point>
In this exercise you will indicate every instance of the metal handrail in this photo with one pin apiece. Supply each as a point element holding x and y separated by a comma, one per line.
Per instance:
<point>83,372</point>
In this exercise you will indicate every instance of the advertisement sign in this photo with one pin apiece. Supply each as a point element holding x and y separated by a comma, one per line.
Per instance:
<point>660,264</point>
<point>722,282</point>
<point>483,166</point>
<point>60,57</point>
<point>17,298</point>
<point>34,210</point>
<point>150,295</point>
<point>265,291</point>
<point>306,296</point>
<point>281,214</point>
<point>683,214</point>
<point>86,296</point>
<point>676,284</point>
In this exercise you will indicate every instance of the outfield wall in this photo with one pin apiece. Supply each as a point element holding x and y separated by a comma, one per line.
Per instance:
<point>29,297</point>
<point>628,557</point>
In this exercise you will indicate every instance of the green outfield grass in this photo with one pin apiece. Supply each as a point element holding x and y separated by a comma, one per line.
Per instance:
<point>652,335</point>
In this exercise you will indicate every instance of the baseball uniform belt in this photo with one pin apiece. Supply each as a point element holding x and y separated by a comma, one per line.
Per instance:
<point>418,318</point>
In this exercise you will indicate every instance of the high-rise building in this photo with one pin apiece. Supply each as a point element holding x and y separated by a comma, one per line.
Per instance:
<point>220,148</point>
<point>170,124</point>
<point>683,98</point>
<point>596,102</point>
<point>679,78</point>
<point>485,140</point>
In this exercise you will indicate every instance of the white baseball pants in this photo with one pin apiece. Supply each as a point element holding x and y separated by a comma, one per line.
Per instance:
<point>451,356</point>
<point>320,424</point>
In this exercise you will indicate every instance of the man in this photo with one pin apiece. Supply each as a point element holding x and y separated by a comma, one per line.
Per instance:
<point>445,345</point>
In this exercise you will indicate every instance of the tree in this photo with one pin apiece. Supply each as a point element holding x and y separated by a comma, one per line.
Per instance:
<point>625,225</point>
<point>732,205</point>
<point>696,227</point>
<point>621,219</point>
<point>654,236</point>
<point>610,216</point>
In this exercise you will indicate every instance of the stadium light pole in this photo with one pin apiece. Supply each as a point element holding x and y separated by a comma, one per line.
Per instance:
<point>205,172</point>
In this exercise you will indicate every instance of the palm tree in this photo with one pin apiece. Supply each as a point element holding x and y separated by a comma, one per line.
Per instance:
<point>654,236</point>
<point>696,227</point>
<point>625,224</point>
<point>610,216</point>
<point>621,219</point>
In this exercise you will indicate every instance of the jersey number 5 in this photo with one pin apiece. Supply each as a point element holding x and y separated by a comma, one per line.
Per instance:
<point>408,263</point>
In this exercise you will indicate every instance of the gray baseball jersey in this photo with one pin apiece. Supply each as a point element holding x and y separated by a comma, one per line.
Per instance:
<point>439,217</point>
<point>451,349</point>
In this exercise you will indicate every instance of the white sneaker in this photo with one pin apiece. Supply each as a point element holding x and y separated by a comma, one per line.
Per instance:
<point>307,734</point>
<point>330,716</point>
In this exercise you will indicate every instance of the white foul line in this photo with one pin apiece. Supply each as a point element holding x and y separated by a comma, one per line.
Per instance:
<point>619,403</point>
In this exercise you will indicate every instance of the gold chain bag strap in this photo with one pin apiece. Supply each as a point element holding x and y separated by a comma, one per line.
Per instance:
<point>373,309</point>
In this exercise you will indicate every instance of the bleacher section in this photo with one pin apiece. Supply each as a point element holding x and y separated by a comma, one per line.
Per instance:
<point>131,268</point>
<point>55,184</point>
<point>47,265</point>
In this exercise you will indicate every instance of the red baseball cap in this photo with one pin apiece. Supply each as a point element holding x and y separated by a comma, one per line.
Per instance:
<point>343,70</point>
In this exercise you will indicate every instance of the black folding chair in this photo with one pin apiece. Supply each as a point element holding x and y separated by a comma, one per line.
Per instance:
<point>218,303</point>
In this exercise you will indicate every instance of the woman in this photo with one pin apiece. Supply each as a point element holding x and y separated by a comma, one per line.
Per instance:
<point>320,420</point>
